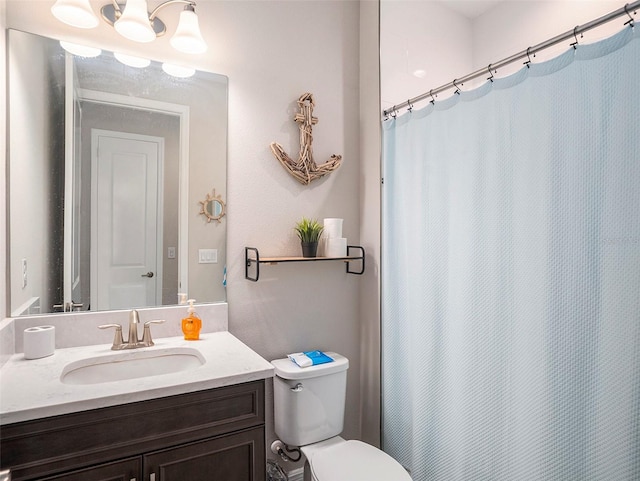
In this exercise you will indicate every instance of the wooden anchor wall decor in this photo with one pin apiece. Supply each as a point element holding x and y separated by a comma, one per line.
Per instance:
<point>305,169</point>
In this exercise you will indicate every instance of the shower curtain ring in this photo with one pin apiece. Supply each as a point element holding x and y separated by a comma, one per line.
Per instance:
<point>433,100</point>
<point>456,86</point>
<point>394,112</point>
<point>490,73</point>
<point>631,19</point>
<point>410,105</point>
<point>575,35</point>
<point>529,57</point>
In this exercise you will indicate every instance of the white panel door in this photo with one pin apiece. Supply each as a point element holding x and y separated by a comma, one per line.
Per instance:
<point>126,220</point>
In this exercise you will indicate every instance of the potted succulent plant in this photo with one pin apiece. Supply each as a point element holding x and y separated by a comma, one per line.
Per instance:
<point>309,231</point>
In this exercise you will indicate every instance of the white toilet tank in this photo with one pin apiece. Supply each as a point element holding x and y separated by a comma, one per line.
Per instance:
<point>309,402</point>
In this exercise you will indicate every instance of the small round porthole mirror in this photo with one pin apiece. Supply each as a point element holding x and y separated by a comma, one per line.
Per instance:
<point>213,207</point>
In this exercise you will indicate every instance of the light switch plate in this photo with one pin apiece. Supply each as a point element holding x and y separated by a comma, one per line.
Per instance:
<point>24,273</point>
<point>207,256</point>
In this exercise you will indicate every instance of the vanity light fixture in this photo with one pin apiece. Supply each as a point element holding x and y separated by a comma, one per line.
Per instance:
<point>187,37</point>
<point>80,50</point>
<point>132,20</point>
<point>77,13</point>
<point>178,71</point>
<point>131,61</point>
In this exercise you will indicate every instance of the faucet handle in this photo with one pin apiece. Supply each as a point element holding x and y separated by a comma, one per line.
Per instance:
<point>146,336</point>
<point>118,342</point>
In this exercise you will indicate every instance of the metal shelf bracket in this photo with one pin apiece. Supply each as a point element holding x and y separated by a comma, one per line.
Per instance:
<point>252,256</point>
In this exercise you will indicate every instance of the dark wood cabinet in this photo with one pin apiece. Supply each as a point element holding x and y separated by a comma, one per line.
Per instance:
<point>229,458</point>
<point>122,470</point>
<point>217,434</point>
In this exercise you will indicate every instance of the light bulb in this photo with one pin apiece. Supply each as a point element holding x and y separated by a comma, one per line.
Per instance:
<point>188,38</point>
<point>178,71</point>
<point>134,22</point>
<point>77,13</point>
<point>131,61</point>
<point>80,50</point>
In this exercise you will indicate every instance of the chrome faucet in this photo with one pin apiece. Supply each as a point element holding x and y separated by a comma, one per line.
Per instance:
<point>132,342</point>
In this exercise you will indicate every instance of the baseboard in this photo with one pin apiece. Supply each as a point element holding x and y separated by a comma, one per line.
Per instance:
<point>296,474</point>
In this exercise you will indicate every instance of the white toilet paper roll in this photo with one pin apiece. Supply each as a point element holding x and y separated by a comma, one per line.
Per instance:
<point>332,228</point>
<point>39,342</point>
<point>336,247</point>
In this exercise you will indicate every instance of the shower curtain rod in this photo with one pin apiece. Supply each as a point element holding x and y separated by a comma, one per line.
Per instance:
<point>626,10</point>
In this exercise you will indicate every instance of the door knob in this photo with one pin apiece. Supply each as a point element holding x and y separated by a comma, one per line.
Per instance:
<point>148,274</point>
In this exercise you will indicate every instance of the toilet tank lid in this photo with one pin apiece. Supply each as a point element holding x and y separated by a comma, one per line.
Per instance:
<point>287,369</point>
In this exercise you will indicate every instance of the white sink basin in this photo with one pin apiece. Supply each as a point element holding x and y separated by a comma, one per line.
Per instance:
<point>131,365</point>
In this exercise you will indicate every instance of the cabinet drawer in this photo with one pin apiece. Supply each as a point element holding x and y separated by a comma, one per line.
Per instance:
<point>52,445</point>
<point>123,470</point>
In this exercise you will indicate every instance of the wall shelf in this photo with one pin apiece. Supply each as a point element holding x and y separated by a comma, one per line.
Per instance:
<point>252,258</point>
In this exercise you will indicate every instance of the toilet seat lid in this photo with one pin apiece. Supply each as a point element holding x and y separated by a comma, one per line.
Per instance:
<point>356,461</point>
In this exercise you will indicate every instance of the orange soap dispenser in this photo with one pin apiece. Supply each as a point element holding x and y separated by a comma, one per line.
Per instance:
<point>191,324</point>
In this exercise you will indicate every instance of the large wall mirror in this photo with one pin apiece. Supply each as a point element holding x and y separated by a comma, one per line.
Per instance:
<point>107,165</point>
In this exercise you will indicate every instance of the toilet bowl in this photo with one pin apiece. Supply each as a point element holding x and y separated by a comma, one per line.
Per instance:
<point>339,460</point>
<point>309,413</point>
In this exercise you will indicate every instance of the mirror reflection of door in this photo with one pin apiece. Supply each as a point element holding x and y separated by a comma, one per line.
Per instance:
<point>126,172</point>
<point>72,296</point>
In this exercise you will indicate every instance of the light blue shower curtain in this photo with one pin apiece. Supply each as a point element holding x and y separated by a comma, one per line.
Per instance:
<point>511,275</point>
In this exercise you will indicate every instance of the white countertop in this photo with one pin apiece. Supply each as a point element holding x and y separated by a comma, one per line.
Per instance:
<point>32,389</point>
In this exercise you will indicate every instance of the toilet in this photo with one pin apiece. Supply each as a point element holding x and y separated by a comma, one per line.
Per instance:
<point>309,414</point>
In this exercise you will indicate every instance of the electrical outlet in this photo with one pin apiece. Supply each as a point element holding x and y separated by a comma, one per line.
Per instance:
<point>171,253</point>
<point>24,273</point>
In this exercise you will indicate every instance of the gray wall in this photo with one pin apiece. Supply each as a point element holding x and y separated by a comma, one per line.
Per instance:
<point>37,160</point>
<point>4,281</point>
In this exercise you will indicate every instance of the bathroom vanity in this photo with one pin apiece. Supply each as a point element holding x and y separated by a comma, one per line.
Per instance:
<point>202,423</point>
<point>213,434</point>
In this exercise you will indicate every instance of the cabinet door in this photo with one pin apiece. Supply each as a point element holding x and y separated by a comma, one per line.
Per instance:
<point>234,457</point>
<point>123,470</point>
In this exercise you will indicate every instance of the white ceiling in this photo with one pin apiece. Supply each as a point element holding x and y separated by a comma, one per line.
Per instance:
<point>470,8</point>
